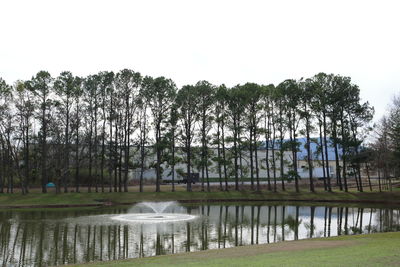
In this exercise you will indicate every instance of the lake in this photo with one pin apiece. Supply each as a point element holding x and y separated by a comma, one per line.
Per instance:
<point>66,236</point>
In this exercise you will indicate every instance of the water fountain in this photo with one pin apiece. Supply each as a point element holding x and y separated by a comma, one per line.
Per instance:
<point>157,214</point>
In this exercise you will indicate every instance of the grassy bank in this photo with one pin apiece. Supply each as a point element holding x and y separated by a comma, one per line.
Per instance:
<point>72,199</point>
<point>361,250</point>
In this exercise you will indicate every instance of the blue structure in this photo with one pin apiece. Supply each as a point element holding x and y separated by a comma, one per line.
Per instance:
<point>302,153</point>
<point>50,185</point>
<point>318,169</point>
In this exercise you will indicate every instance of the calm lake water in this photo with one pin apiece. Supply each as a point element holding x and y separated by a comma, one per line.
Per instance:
<point>56,237</point>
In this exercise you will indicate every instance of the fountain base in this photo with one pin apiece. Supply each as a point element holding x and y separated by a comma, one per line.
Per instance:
<point>153,217</point>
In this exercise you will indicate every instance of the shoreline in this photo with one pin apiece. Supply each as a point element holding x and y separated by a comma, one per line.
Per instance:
<point>124,199</point>
<point>373,249</point>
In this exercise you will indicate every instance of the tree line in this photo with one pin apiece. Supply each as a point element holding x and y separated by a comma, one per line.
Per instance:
<point>91,131</point>
<point>383,153</point>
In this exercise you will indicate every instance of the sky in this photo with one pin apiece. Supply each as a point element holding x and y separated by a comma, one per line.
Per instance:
<point>230,42</point>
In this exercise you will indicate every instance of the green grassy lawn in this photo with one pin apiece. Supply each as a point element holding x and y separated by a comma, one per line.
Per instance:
<point>40,200</point>
<point>382,249</point>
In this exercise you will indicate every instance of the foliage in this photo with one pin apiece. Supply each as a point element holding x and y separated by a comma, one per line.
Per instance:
<point>93,130</point>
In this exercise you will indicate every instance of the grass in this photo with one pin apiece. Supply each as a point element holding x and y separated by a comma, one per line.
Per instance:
<point>381,249</point>
<point>69,199</point>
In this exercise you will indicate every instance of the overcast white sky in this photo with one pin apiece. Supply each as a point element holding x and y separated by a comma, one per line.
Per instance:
<point>227,42</point>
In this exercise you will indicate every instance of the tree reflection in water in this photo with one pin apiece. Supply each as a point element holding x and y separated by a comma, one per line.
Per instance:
<point>42,238</point>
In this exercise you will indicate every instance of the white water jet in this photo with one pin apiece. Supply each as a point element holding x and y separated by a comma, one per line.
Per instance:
<point>157,216</point>
<point>158,207</point>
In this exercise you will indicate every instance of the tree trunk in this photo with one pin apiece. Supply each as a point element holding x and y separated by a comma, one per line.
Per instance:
<point>27,163</point>
<point>67,171</point>
<point>173,158</point>
<point>335,146</point>
<point>219,155</point>
<point>120,155</point>
<point>369,178</point>
<point>326,156</point>
<point>273,157</point>
<point>344,154</point>
<point>358,169</point>
<point>379,180</point>
<point>282,171</point>
<point>203,141</point>
<point>224,154</point>
<point>115,155</point>
<point>240,149</point>
<point>322,155</point>
<point>90,156</point>
<point>158,149</point>
<point>96,167</point>
<point>255,154</point>
<point>126,143</point>
<point>44,148</point>
<point>267,137</point>
<point>77,148</point>
<point>207,176</point>
<point>2,166</point>
<point>251,158</point>
<point>309,159</point>
<point>294,151</point>
<point>188,153</point>
<point>281,147</point>
<point>235,134</point>
<point>10,167</point>
<point>292,136</point>
<point>110,147</point>
<point>142,149</point>
<point>103,137</point>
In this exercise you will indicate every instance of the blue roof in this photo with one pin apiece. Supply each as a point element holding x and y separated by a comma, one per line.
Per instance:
<point>315,142</point>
